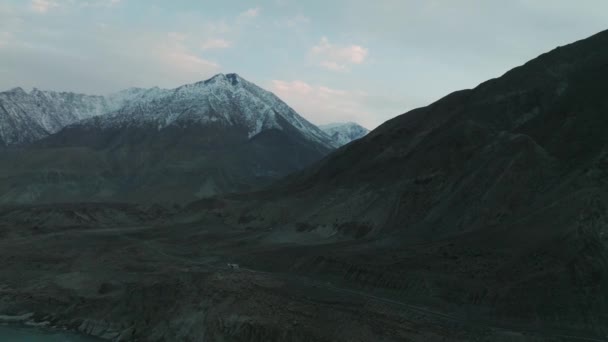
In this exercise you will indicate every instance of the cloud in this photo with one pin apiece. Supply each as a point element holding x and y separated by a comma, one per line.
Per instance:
<point>42,6</point>
<point>177,55</point>
<point>338,58</point>
<point>189,62</point>
<point>216,44</point>
<point>100,3</point>
<point>294,88</point>
<point>322,104</point>
<point>250,13</point>
<point>120,59</point>
<point>326,92</point>
<point>334,66</point>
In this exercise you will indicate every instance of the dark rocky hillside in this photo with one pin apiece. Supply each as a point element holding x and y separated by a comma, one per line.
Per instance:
<point>497,197</point>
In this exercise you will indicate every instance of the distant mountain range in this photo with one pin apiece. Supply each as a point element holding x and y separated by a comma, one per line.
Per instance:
<point>344,133</point>
<point>226,99</point>
<point>220,135</point>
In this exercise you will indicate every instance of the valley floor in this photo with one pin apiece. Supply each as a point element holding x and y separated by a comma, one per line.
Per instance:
<point>171,281</point>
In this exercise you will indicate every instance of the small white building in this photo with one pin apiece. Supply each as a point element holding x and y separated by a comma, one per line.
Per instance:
<point>233,266</point>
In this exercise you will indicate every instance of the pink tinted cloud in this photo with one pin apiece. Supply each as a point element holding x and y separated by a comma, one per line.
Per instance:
<point>216,44</point>
<point>42,6</point>
<point>338,58</point>
<point>322,104</point>
<point>251,13</point>
<point>176,54</point>
<point>298,88</point>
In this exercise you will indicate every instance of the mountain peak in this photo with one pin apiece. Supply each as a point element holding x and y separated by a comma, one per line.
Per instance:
<point>341,124</point>
<point>231,78</point>
<point>17,90</point>
<point>224,99</point>
<point>37,92</point>
<point>343,133</point>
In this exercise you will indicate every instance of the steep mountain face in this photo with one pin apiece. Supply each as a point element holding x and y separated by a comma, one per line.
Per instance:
<point>27,117</point>
<point>344,133</point>
<point>497,197</point>
<point>221,135</point>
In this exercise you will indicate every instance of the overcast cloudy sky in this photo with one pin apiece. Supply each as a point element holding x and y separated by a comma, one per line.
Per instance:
<point>332,60</point>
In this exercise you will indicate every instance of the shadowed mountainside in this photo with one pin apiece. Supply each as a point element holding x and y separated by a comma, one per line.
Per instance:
<point>504,185</point>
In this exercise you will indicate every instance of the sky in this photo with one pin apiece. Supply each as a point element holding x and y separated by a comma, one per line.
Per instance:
<point>332,60</point>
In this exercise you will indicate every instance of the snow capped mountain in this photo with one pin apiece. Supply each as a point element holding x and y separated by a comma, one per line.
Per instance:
<point>227,100</point>
<point>343,133</point>
<point>212,137</point>
<point>26,117</point>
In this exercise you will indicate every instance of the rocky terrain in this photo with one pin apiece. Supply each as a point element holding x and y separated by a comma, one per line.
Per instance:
<point>167,279</point>
<point>481,217</point>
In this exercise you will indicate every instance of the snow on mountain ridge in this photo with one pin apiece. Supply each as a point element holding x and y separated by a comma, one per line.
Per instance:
<point>26,117</point>
<point>205,101</point>
<point>344,133</point>
<point>223,99</point>
<point>288,113</point>
<point>227,99</point>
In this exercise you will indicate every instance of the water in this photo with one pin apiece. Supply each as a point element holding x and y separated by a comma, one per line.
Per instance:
<point>23,334</point>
